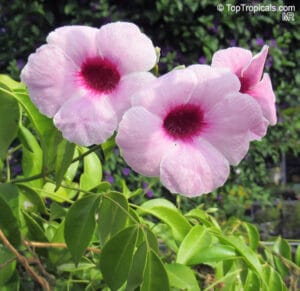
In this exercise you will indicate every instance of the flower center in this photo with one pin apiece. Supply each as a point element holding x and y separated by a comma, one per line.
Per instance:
<point>99,75</point>
<point>245,85</point>
<point>184,121</point>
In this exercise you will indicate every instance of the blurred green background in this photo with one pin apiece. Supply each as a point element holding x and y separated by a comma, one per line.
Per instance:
<point>265,187</point>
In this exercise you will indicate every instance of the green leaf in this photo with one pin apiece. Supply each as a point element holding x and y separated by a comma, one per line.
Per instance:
<point>112,215</point>
<point>108,147</point>
<point>49,136</point>
<point>253,235</point>
<point>10,84</point>
<point>33,197</point>
<point>168,213</point>
<point>32,155</point>
<point>36,232</point>
<point>72,169</point>
<point>92,174</point>
<point>182,277</point>
<point>151,239</point>
<point>155,276</point>
<point>297,256</point>
<point>9,119</point>
<point>9,223</point>
<point>214,253</point>
<point>282,247</point>
<point>195,241</point>
<point>272,280</point>
<point>116,257</point>
<point>80,224</point>
<point>252,282</point>
<point>65,152</point>
<point>9,265</point>
<point>10,193</point>
<point>70,267</point>
<point>136,273</point>
<point>246,252</point>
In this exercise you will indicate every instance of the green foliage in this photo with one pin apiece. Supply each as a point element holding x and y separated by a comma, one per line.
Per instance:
<point>113,242</point>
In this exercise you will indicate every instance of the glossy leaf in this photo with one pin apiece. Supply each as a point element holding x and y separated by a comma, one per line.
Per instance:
<point>195,241</point>
<point>35,231</point>
<point>282,247</point>
<point>246,252</point>
<point>116,257</point>
<point>48,134</point>
<point>9,223</point>
<point>168,213</point>
<point>10,84</point>
<point>155,276</point>
<point>297,256</point>
<point>252,281</point>
<point>33,197</point>
<point>10,193</point>
<point>182,277</point>
<point>72,169</point>
<point>32,155</point>
<point>65,153</point>
<point>272,280</point>
<point>92,175</point>
<point>253,235</point>
<point>112,215</point>
<point>8,260</point>
<point>9,119</point>
<point>136,273</point>
<point>214,253</point>
<point>151,239</point>
<point>80,224</point>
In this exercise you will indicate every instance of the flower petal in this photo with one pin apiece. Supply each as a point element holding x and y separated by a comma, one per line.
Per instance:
<point>192,170</point>
<point>128,85</point>
<point>76,41</point>
<point>213,84</point>
<point>230,123</point>
<point>234,58</point>
<point>264,95</point>
<point>126,46</point>
<point>166,92</point>
<point>49,76</point>
<point>142,141</point>
<point>252,73</point>
<point>86,121</point>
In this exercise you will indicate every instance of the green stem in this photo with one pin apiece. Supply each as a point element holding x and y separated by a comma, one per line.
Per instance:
<point>91,150</point>
<point>7,170</point>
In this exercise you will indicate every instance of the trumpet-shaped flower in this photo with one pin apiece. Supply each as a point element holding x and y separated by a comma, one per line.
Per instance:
<point>84,77</point>
<point>249,70</point>
<point>187,127</point>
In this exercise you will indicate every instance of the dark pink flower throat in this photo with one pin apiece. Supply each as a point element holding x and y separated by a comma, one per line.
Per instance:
<point>99,75</point>
<point>184,121</point>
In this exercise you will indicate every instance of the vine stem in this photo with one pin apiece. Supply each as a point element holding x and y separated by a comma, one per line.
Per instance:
<point>36,244</point>
<point>23,260</point>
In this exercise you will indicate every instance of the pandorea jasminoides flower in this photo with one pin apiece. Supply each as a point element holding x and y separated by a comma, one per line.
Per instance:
<point>249,69</point>
<point>187,127</point>
<point>84,77</point>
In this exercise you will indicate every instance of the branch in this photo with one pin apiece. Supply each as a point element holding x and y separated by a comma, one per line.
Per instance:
<point>23,260</point>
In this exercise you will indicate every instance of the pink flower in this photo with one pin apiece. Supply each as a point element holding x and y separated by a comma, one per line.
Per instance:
<point>187,127</point>
<point>84,77</point>
<point>249,70</point>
